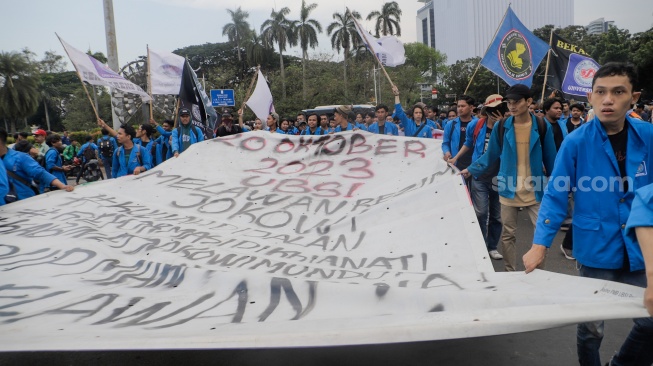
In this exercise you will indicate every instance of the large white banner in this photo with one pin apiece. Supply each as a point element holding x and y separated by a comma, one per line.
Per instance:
<point>270,240</point>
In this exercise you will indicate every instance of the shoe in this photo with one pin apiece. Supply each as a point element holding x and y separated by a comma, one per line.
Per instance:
<point>495,255</point>
<point>567,252</point>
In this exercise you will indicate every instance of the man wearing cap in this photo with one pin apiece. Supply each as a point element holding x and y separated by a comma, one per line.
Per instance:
<point>39,143</point>
<point>227,127</point>
<point>185,134</point>
<point>341,115</point>
<point>524,146</point>
<point>603,163</point>
<point>484,191</point>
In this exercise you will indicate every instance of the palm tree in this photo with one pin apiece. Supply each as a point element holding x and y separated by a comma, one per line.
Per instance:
<point>237,30</point>
<point>19,94</point>
<point>343,35</point>
<point>307,30</point>
<point>278,29</point>
<point>255,49</point>
<point>387,20</point>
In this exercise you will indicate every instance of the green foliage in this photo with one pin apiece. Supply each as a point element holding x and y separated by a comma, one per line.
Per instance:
<point>459,74</point>
<point>19,93</point>
<point>387,20</point>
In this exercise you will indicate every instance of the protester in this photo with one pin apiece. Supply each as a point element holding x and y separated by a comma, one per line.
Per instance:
<point>4,184</point>
<point>285,128</point>
<point>65,140</point>
<point>525,146</point>
<point>313,128</point>
<point>185,134</point>
<point>258,125</point>
<point>565,111</point>
<point>324,122</point>
<point>484,190</point>
<point>272,122</point>
<point>22,170</point>
<point>615,148</point>
<point>89,151</point>
<point>53,163</point>
<point>552,112</point>
<point>416,125</point>
<point>107,146</point>
<point>342,123</point>
<point>455,133</point>
<point>451,115</point>
<point>576,119</point>
<point>70,152</point>
<point>130,158</point>
<point>641,221</point>
<point>39,142</point>
<point>383,127</point>
<point>228,128</point>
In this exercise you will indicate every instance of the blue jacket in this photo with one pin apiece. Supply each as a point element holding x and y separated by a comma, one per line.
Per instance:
<point>177,143</point>
<point>93,146</point>
<point>151,145</point>
<point>4,184</point>
<point>586,159</point>
<point>409,125</point>
<point>478,145</point>
<point>139,156</point>
<point>451,138</point>
<point>318,131</point>
<point>507,177</point>
<point>350,127</point>
<point>641,212</point>
<point>113,142</point>
<point>27,168</point>
<point>161,141</point>
<point>52,159</point>
<point>390,128</point>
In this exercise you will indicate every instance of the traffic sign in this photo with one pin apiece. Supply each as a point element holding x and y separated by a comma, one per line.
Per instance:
<point>223,98</point>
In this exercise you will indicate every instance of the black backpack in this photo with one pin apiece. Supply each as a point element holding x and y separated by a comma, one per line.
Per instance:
<point>88,154</point>
<point>106,148</point>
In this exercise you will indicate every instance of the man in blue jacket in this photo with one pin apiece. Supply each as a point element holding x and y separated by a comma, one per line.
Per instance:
<point>455,132</point>
<point>641,221</point>
<point>604,162</point>
<point>163,146</point>
<point>130,158</point>
<point>107,145</point>
<point>380,126</point>
<point>525,146</point>
<point>186,134</point>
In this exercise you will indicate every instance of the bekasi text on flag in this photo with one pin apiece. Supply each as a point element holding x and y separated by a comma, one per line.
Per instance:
<point>571,70</point>
<point>515,52</point>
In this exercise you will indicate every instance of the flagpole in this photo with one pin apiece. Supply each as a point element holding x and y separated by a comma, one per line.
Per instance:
<point>149,82</point>
<point>548,57</point>
<point>488,48</point>
<point>80,79</point>
<point>251,85</point>
<point>177,111</point>
<point>368,42</point>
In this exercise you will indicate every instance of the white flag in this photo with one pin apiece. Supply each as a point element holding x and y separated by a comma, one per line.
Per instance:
<point>261,100</point>
<point>96,73</point>
<point>165,72</point>
<point>389,49</point>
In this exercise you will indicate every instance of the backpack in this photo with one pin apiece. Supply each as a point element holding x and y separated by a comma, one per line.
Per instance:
<point>88,153</point>
<point>138,154</point>
<point>106,148</point>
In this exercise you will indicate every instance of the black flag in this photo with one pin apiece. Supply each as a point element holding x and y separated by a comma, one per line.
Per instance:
<point>193,97</point>
<point>571,70</point>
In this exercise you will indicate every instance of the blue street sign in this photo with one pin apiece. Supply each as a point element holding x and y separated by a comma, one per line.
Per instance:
<point>223,98</point>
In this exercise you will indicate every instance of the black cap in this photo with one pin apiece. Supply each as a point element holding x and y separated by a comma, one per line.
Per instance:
<point>226,115</point>
<point>183,111</point>
<point>518,92</point>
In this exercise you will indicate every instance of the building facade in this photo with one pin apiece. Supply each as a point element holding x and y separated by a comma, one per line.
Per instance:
<point>599,26</point>
<point>464,28</point>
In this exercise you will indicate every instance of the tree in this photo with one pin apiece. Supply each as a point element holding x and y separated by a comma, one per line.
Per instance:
<point>458,75</point>
<point>19,94</point>
<point>387,20</point>
<point>278,29</point>
<point>344,36</point>
<point>428,61</point>
<point>255,49</point>
<point>307,30</point>
<point>238,29</point>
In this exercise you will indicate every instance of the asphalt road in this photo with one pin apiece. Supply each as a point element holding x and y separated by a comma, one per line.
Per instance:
<point>541,348</point>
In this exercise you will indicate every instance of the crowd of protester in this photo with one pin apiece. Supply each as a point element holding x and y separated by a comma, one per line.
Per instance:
<point>515,155</point>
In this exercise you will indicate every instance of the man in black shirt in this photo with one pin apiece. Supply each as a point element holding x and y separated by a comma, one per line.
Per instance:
<point>576,118</point>
<point>552,112</point>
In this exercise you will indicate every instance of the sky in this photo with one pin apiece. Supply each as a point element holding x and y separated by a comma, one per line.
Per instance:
<point>167,25</point>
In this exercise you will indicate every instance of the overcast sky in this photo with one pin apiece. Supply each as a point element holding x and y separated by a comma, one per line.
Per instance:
<point>170,24</point>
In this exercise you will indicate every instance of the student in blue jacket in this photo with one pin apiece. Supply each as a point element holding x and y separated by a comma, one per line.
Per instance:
<point>25,169</point>
<point>455,132</point>
<point>341,116</point>
<point>641,221</point>
<point>604,162</point>
<point>163,146</point>
<point>417,126</point>
<point>313,128</point>
<point>53,163</point>
<point>381,126</point>
<point>185,134</point>
<point>130,158</point>
<point>527,158</point>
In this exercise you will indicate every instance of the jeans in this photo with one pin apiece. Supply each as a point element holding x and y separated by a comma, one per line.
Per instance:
<point>107,166</point>
<point>637,349</point>
<point>485,197</point>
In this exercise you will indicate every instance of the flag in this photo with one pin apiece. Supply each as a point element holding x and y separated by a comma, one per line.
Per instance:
<point>260,102</point>
<point>389,49</point>
<point>193,97</point>
<point>571,70</point>
<point>515,52</point>
<point>94,72</point>
<point>166,69</point>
